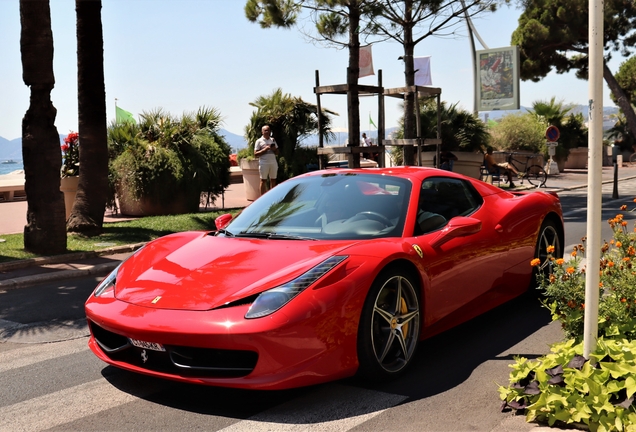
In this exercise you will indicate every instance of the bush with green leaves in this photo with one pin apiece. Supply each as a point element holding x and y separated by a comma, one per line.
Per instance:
<point>563,388</point>
<point>164,155</point>
<point>564,287</point>
<point>521,131</point>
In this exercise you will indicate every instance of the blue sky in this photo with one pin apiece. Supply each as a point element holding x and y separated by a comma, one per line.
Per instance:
<point>183,54</point>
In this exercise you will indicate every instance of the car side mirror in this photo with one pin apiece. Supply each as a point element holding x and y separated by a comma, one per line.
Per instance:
<point>222,221</point>
<point>459,226</point>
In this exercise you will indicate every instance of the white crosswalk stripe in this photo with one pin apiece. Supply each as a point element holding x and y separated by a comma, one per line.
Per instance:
<point>61,407</point>
<point>36,353</point>
<point>331,408</point>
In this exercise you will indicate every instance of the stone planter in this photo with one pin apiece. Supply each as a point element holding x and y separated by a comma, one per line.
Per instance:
<point>251,178</point>
<point>467,163</point>
<point>131,206</point>
<point>577,159</point>
<point>68,186</point>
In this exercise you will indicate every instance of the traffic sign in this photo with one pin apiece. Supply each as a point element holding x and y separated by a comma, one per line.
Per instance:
<point>552,133</point>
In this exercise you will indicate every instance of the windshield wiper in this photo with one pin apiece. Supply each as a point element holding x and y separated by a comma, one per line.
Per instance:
<point>272,236</point>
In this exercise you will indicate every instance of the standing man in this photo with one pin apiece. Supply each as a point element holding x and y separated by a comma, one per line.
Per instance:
<point>266,150</point>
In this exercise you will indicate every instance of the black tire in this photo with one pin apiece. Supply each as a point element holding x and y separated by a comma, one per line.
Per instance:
<point>389,326</point>
<point>536,175</point>
<point>549,235</point>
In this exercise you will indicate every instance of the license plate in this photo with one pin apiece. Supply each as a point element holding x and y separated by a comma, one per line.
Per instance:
<point>147,345</point>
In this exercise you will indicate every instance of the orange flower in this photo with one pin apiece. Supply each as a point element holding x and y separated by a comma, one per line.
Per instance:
<point>623,207</point>
<point>573,253</point>
<point>552,278</point>
<point>624,223</point>
<point>600,284</point>
<point>626,259</point>
<point>610,263</point>
<point>623,300</point>
<point>570,270</point>
<point>535,262</point>
<point>550,249</point>
<point>560,261</point>
<point>631,251</point>
<point>619,244</point>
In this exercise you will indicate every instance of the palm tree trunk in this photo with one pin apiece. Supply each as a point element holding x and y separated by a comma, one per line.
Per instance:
<point>45,232</point>
<point>353,72</point>
<point>87,215</point>
<point>409,77</point>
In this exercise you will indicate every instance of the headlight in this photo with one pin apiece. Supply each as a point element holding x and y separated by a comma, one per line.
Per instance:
<point>271,300</point>
<point>108,284</point>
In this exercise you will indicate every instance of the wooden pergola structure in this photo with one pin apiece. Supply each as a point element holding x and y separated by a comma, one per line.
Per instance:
<point>401,92</point>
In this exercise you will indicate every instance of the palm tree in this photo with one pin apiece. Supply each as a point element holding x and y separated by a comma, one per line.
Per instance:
<point>621,134</point>
<point>87,215</point>
<point>45,232</point>
<point>163,156</point>
<point>460,129</point>
<point>552,112</point>
<point>573,131</point>
<point>291,120</point>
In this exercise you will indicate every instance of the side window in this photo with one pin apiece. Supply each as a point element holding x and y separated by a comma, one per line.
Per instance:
<point>441,199</point>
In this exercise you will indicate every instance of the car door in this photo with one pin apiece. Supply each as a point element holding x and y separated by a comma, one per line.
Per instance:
<point>457,252</point>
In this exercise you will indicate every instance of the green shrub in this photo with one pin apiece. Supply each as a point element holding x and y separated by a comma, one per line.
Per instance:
<point>564,288</point>
<point>565,389</point>
<point>164,156</point>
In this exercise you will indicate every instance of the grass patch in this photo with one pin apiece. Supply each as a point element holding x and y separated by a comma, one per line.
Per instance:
<point>119,233</point>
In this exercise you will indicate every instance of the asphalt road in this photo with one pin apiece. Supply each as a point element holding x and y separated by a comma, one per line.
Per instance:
<point>452,386</point>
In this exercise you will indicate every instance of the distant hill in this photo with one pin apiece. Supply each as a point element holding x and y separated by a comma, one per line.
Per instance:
<point>12,149</point>
<point>583,109</point>
<point>235,141</point>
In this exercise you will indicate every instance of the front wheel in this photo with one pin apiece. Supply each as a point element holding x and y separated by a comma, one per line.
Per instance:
<point>536,175</point>
<point>389,326</point>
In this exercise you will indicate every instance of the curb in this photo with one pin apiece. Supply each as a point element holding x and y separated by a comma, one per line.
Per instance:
<point>88,270</point>
<point>21,282</point>
<point>64,258</point>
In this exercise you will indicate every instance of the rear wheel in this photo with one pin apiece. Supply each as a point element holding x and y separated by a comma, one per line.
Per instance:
<point>389,326</point>
<point>536,175</point>
<point>549,236</point>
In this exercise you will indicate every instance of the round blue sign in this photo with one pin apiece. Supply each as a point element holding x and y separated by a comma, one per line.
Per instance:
<point>552,133</point>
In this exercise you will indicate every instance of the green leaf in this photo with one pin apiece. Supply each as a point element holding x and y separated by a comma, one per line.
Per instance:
<point>630,386</point>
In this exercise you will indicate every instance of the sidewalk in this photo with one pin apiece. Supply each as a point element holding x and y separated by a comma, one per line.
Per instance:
<point>17,274</point>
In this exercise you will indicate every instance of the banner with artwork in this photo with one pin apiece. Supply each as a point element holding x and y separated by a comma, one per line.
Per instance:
<point>498,79</point>
<point>366,61</point>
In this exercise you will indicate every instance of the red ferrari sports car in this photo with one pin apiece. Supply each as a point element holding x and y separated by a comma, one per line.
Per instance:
<point>329,274</point>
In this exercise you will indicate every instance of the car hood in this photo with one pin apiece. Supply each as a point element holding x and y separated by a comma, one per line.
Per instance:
<point>195,271</point>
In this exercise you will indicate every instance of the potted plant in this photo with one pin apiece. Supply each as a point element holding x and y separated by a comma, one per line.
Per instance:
<point>70,170</point>
<point>163,164</point>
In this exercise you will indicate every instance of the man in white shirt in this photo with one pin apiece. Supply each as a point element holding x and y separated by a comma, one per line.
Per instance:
<point>265,149</point>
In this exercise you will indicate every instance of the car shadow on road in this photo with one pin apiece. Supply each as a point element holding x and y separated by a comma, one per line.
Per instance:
<point>441,363</point>
<point>448,359</point>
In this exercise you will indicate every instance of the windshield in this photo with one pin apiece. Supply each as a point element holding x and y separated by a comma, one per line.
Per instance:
<point>328,206</point>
